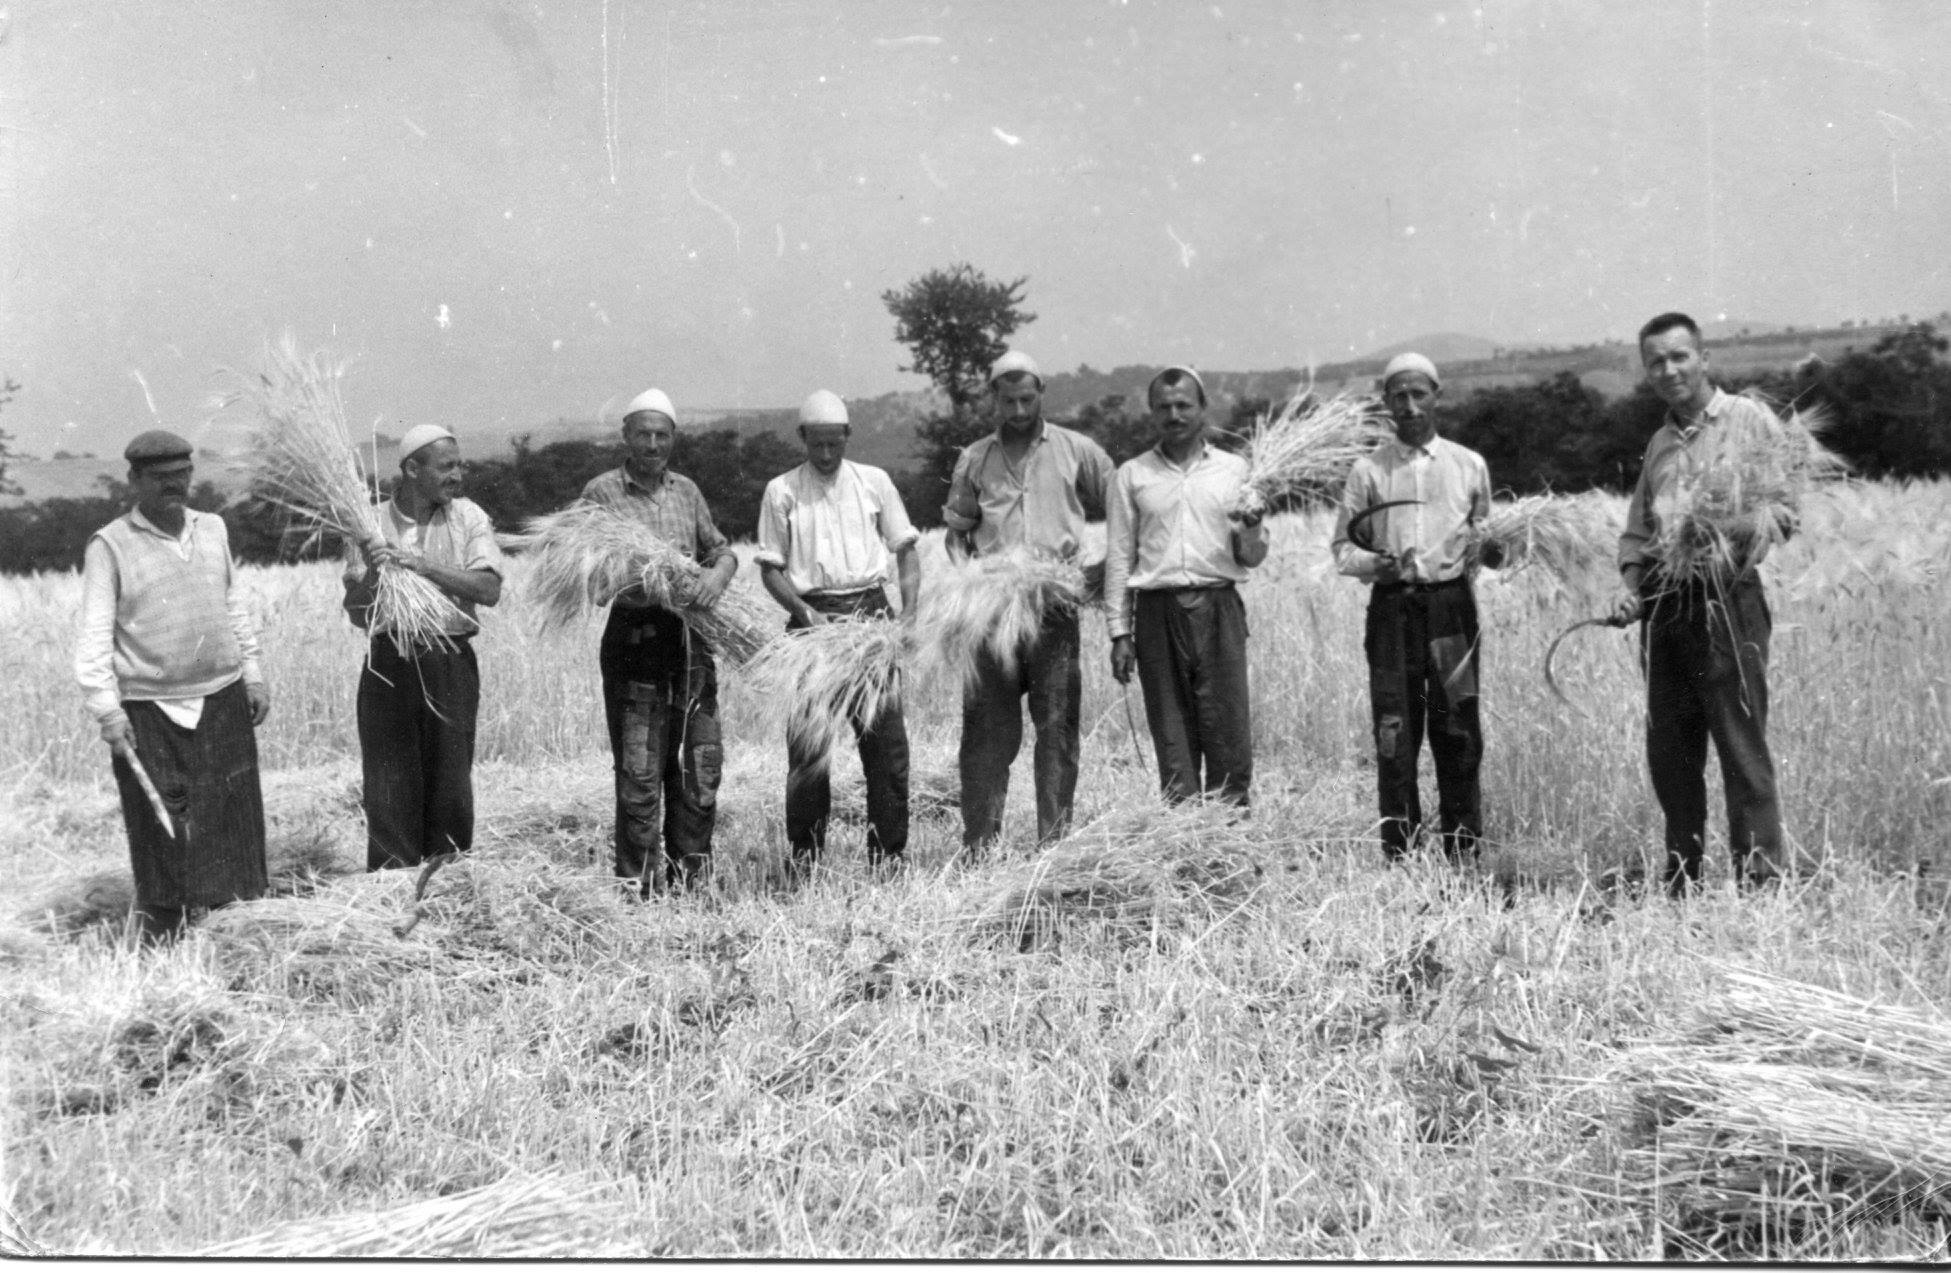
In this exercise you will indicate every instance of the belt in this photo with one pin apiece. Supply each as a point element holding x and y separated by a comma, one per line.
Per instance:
<point>1410,587</point>
<point>850,594</point>
<point>456,639</point>
<point>1221,586</point>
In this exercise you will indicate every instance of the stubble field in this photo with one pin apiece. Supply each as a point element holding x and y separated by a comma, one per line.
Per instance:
<point>1221,1041</point>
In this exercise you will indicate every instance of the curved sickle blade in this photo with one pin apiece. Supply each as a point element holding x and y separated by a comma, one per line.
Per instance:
<point>1551,680</point>
<point>1360,519</point>
<point>149,789</point>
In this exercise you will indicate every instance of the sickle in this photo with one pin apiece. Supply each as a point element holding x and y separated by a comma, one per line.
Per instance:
<point>1355,523</point>
<point>1551,653</point>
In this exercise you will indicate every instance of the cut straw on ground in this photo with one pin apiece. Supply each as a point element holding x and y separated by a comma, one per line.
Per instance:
<point>588,555</point>
<point>1306,449</point>
<point>300,457</point>
<point>816,684</point>
<point>993,607</point>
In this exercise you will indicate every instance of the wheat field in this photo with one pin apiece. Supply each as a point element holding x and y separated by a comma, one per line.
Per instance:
<point>1166,1037</point>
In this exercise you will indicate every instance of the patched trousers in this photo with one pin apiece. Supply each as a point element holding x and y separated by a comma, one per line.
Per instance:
<point>1422,645</point>
<point>660,700</point>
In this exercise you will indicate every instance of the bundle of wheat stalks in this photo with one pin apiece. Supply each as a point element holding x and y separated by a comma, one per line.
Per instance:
<point>816,682</point>
<point>517,1217</point>
<point>1738,490</point>
<point>1567,536</point>
<point>1307,448</point>
<point>300,456</point>
<point>994,606</point>
<point>1795,1101</point>
<point>586,556</point>
<point>327,946</point>
<point>1134,867</point>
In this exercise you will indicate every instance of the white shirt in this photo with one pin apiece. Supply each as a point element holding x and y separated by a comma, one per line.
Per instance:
<point>833,534</point>
<point>1167,527</point>
<point>1450,485</point>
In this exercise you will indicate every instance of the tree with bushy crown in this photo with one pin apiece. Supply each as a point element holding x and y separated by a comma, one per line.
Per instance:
<point>956,321</point>
<point>8,388</point>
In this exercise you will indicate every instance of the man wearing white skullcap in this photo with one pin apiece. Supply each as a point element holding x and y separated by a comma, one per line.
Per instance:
<point>831,532</point>
<point>418,704</point>
<point>1026,488</point>
<point>1406,524</point>
<point>1176,547</point>
<point>660,680</point>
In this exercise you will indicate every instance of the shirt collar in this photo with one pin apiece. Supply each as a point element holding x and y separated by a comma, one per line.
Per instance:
<point>1716,404</point>
<point>142,523</point>
<point>1197,458</point>
<point>631,480</point>
<point>1427,448</point>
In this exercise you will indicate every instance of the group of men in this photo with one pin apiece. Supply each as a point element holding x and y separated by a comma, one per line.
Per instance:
<point>169,662</point>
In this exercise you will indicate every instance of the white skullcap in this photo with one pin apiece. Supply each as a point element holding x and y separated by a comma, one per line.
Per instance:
<point>1186,372</point>
<point>1410,362</point>
<point>652,400</point>
<point>1012,361</point>
<point>823,406</point>
<point>422,435</point>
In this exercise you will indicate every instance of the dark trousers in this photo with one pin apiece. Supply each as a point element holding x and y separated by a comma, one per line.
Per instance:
<point>1191,646</point>
<point>1706,653</point>
<point>992,733</point>
<point>1422,644</point>
<point>883,762</point>
<point>660,700</point>
<point>208,780</point>
<point>416,751</point>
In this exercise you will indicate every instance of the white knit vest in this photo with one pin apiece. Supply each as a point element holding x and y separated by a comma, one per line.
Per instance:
<point>172,628</point>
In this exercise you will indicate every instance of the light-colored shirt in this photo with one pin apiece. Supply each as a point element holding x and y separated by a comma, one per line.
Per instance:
<point>456,534</point>
<point>1038,503</point>
<point>1669,457</point>
<point>833,534</point>
<point>1451,485</point>
<point>1167,527</point>
<point>672,506</point>
<point>162,619</point>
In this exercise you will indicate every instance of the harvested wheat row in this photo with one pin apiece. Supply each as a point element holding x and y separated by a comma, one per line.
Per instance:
<point>517,1217</point>
<point>332,944</point>
<point>1793,1101</point>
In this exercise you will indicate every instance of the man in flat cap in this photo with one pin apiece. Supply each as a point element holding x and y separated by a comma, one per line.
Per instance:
<point>660,681</point>
<point>831,532</point>
<point>418,702</point>
<point>168,662</point>
<point>1422,615</point>
<point>1176,553</point>
<point>1027,487</point>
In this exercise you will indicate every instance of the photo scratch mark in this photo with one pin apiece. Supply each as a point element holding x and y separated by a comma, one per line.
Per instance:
<point>690,183</point>
<point>610,115</point>
<point>1007,139</point>
<point>899,41</point>
<point>778,240</point>
<point>933,176</point>
<point>1185,249</point>
<point>146,396</point>
<point>417,130</point>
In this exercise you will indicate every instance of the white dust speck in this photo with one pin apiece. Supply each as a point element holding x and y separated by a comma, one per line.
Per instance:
<point>600,314</point>
<point>1408,231</point>
<point>369,245</point>
<point>555,346</point>
<point>1199,159</point>
<point>508,214</point>
<point>1007,139</point>
<point>443,319</point>
<point>727,158</point>
<point>897,41</point>
<point>925,219</point>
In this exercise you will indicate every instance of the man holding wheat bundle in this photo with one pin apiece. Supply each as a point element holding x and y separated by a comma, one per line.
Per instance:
<point>1705,629</point>
<point>660,680</point>
<point>418,701</point>
<point>829,531</point>
<point>1026,487</point>
<point>168,660</point>
<point>1176,551</point>
<point>1405,528</point>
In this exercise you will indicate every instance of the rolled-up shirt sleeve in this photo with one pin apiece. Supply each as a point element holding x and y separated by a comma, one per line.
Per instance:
<point>1120,553</point>
<point>95,645</point>
<point>237,609</point>
<point>481,550</point>
<point>1095,476</point>
<point>1350,558</point>
<point>713,547</point>
<point>897,532</point>
<point>775,525</point>
<point>963,512</point>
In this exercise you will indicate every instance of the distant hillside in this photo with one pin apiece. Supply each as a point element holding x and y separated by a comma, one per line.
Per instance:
<point>1441,347</point>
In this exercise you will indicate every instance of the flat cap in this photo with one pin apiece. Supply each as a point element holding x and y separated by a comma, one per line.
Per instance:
<point>421,436</point>
<point>1410,362</point>
<point>823,406</point>
<point>1015,360</point>
<point>157,446</point>
<point>652,400</point>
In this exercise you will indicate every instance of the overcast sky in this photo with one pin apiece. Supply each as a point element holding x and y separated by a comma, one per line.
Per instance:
<point>512,211</point>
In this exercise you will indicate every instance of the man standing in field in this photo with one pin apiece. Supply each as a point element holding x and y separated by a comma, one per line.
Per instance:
<point>1705,641</point>
<point>418,705</point>
<point>168,662</point>
<point>1024,487</point>
<point>1422,637</point>
<point>660,681</point>
<point>1175,556</point>
<point>828,532</point>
